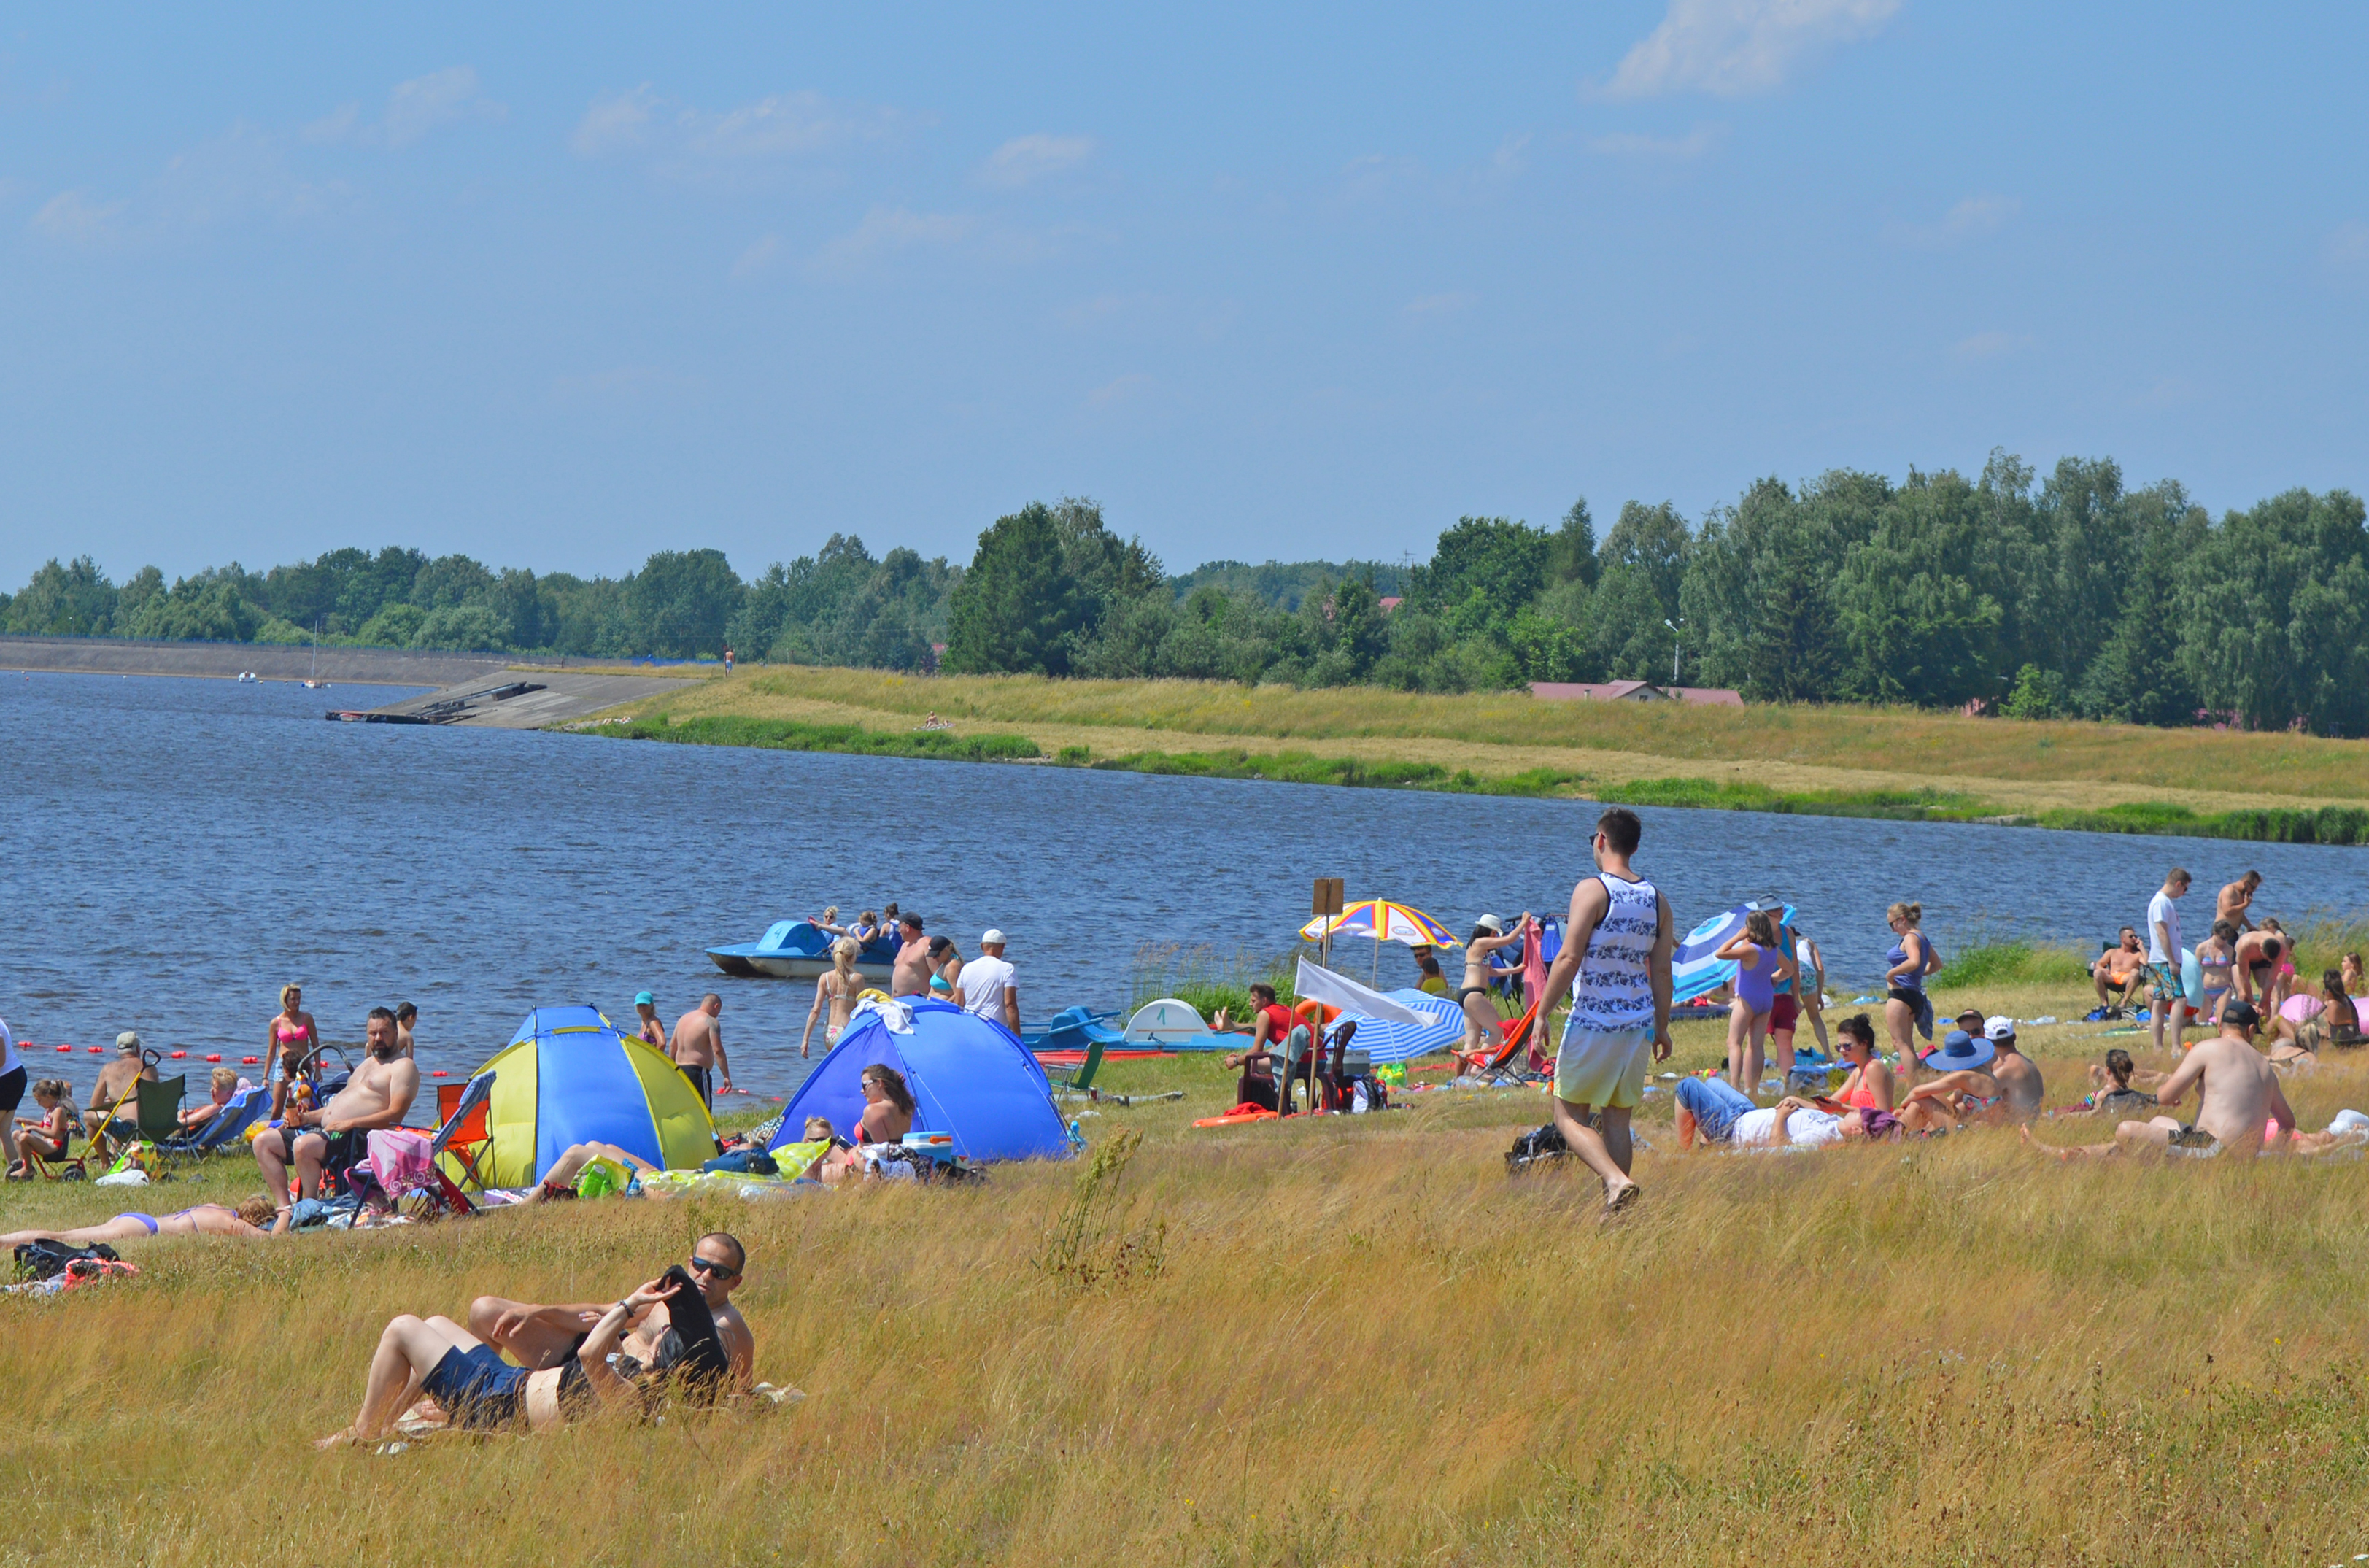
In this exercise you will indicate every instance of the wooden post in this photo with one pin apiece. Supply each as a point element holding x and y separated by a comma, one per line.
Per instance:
<point>1326,901</point>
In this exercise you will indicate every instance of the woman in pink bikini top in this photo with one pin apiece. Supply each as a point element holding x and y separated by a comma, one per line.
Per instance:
<point>292,1034</point>
<point>1870,1086</point>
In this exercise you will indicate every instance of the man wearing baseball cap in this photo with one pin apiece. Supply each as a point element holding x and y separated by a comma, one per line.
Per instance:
<point>2017,1074</point>
<point>114,1080</point>
<point>985,989</point>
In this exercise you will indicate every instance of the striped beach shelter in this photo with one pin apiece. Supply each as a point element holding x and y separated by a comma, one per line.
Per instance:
<point>569,1076</point>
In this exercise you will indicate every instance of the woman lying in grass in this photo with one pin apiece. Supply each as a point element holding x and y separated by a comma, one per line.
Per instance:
<point>252,1218</point>
<point>672,1329</point>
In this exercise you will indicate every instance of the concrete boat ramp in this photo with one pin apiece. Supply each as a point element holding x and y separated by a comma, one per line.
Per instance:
<point>518,699</point>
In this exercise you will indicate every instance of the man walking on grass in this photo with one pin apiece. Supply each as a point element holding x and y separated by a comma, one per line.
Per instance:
<point>2167,994</point>
<point>1617,944</point>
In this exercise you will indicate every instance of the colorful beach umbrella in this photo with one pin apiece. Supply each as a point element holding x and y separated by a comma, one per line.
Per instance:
<point>1383,921</point>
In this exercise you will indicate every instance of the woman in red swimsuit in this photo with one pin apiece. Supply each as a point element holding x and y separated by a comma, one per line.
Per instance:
<point>1870,1086</point>
<point>292,1034</point>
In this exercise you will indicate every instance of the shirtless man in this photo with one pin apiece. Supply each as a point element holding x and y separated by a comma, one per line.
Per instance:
<point>114,1080</point>
<point>911,975</point>
<point>2240,1091</point>
<point>2234,902</point>
<point>543,1336</point>
<point>2017,1074</point>
<point>406,1015</point>
<point>2256,968</point>
<point>2116,972</point>
<point>698,1049</point>
<point>379,1094</point>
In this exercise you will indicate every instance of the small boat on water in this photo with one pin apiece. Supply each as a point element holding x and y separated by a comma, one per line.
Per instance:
<point>799,950</point>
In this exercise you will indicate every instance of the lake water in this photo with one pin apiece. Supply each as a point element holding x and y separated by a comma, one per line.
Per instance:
<point>173,851</point>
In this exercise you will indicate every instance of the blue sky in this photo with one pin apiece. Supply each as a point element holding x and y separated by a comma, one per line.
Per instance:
<point>560,288</point>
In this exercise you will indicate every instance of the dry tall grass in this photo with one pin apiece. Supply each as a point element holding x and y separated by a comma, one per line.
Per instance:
<point>1361,1342</point>
<point>1893,739</point>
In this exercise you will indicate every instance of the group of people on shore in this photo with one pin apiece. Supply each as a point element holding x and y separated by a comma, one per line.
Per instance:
<point>1616,963</point>
<point>923,966</point>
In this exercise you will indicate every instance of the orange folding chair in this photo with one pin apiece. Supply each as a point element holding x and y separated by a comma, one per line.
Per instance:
<point>468,1138</point>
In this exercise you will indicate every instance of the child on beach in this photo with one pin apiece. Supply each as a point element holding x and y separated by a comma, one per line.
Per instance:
<point>47,1138</point>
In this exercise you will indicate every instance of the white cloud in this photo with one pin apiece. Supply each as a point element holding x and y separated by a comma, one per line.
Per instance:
<point>2348,247</point>
<point>74,216</point>
<point>1025,159</point>
<point>621,120</point>
<point>418,107</point>
<point>1970,219</point>
<point>758,257</point>
<point>334,126</point>
<point>1730,48</point>
<point>1673,149</point>
<point>1990,345</point>
<point>241,173</point>
<point>888,229</point>
<point>692,143</point>
<point>1127,388</point>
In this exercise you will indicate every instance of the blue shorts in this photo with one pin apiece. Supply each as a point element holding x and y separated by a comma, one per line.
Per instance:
<point>477,1388</point>
<point>1715,1104</point>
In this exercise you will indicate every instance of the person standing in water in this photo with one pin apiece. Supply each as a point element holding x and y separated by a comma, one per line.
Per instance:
<point>652,1032</point>
<point>698,1049</point>
<point>293,1034</point>
<point>839,986</point>
<point>1617,944</point>
<point>405,1017</point>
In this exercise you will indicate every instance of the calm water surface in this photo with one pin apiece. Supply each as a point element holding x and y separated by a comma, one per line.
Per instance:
<point>172,851</point>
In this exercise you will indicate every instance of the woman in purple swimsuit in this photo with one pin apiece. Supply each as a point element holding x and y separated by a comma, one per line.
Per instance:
<point>1760,966</point>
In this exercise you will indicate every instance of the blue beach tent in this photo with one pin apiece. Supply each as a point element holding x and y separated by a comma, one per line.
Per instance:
<point>969,1076</point>
<point>569,1076</point>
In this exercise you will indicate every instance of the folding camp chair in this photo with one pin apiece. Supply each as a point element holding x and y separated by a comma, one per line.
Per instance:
<point>1080,1079</point>
<point>159,1107</point>
<point>223,1128</point>
<point>465,1134</point>
<point>1513,1034</point>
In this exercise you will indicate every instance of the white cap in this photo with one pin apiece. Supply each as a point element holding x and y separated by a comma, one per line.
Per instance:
<point>991,937</point>
<point>2001,1027</point>
<point>1491,923</point>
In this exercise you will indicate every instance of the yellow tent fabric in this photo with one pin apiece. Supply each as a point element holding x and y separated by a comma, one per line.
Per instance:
<point>572,1077</point>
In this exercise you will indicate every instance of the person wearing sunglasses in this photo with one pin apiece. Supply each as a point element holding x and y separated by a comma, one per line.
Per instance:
<point>678,1332</point>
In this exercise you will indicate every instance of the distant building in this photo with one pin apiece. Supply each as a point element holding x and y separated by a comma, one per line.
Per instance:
<point>1390,602</point>
<point>1633,691</point>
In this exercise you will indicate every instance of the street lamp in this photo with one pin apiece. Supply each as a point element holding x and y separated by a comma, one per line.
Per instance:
<point>1674,647</point>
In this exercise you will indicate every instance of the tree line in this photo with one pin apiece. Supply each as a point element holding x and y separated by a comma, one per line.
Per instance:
<point>2063,596</point>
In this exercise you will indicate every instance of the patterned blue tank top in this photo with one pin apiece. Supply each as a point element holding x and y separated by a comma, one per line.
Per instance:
<point>1615,986</point>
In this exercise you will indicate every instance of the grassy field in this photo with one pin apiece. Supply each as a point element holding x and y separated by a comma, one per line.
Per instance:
<point>1331,1340</point>
<point>1850,761</point>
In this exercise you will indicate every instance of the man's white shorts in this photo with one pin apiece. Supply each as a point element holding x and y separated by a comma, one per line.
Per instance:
<point>1604,1068</point>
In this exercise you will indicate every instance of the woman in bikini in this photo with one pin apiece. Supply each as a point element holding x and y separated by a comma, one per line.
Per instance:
<point>1871,1085</point>
<point>1760,964</point>
<point>293,1034</point>
<point>250,1219</point>
<point>1912,957</point>
<point>2217,956</point>
<point>1480,1018</point>
<point>887,1117</point>
<point>840,985</point>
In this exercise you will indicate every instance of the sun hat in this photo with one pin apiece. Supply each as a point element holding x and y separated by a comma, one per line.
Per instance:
<point>1491,923</point>
<point>644,998</point>
<point>128,1041</point>
<point>989,937</point>
<point>1960,1050</point>
<point>2001,1027</point>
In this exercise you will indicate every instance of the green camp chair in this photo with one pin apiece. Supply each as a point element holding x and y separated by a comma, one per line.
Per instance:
<point>160,1108</point>
<point>1077,1080</point>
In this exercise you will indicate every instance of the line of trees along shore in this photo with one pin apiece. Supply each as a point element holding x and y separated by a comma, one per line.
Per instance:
<point>2063,596</point>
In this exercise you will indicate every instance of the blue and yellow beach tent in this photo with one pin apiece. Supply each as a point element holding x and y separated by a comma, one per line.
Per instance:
<point>570,1076</point>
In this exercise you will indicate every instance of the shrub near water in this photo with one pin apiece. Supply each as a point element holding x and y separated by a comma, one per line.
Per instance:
<point>786,735</point>
<point>2010,963</point>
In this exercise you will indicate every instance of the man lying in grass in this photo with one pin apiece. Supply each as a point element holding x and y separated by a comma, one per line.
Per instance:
<point>672,1329</point>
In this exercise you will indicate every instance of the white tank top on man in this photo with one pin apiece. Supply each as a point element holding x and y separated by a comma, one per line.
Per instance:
<point>1615,990</point>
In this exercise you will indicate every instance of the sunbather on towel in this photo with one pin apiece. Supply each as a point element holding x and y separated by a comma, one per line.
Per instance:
<point>251,1219</point>
<point>559,1181</point>
<point>677,1330</point>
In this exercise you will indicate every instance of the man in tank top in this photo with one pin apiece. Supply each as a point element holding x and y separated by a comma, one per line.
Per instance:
<point>1616,946</point>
